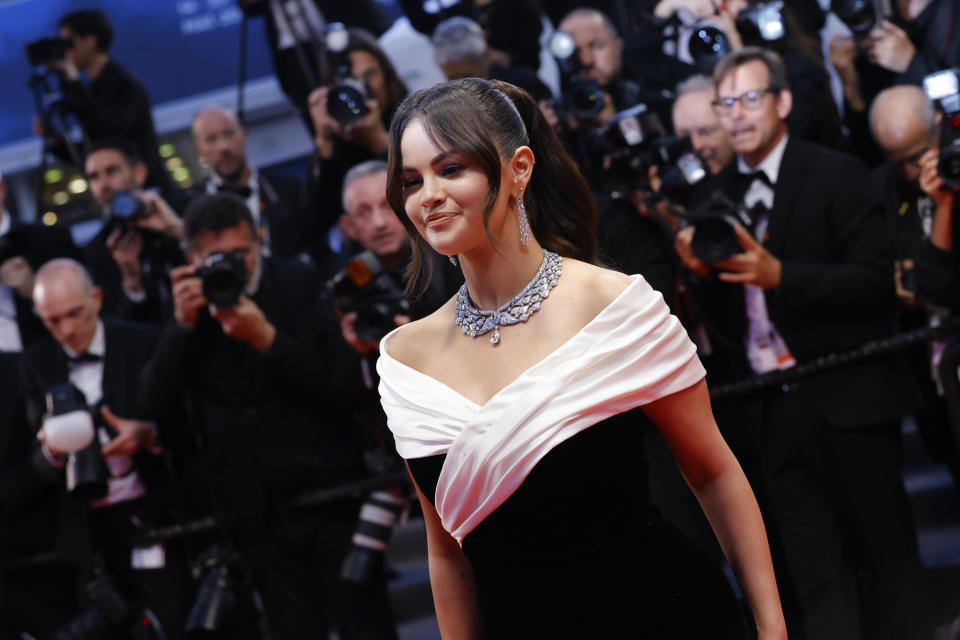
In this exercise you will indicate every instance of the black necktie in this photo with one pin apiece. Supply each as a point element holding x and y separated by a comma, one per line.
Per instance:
<point>242,190</point>
<point>81,358</point>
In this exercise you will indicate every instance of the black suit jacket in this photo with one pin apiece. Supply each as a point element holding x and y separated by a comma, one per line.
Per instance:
<point>272,423</point>
<point>836,290</point>
<point>128,347</point>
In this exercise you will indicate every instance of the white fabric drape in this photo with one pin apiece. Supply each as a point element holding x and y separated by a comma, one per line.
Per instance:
<point>633,352</point>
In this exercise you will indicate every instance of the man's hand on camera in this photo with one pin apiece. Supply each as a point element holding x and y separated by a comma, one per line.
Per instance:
<point>17,274</point>
<point>125,246</point>
<point>889,47</point>
<point>132,436</point>
<point>906,297</point>
<point>348,323</point>
<point>368,131</point>
<point>755,265</point>
<point>188,298</point>
<point>930,181</point>
<point>54,453</point>
<point>66,68</point>
<point>843,53</point>
<point>160,217</point>
<point>326,127</point>
<point>245,321</point>
<point>681,244</point>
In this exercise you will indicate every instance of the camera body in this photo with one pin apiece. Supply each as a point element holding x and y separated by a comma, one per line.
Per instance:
<point>347,96</point>
<point>44,51</point>
<point>860,16</point>
<point>109,614</point>
<point>715,239</point>
<point>943,88</point>
<point>634,140</point>
<point>762,22</point>
<point>700,43</point>
<point>582,97</point>
<point>363,287</point>
<point>224,276</point>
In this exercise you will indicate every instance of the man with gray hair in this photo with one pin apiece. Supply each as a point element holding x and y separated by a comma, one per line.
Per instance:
<point>695,117</point>
<point>460,48</point>
<point>812,277</point>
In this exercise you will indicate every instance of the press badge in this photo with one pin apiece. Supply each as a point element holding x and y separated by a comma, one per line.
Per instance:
<point>152,557</point>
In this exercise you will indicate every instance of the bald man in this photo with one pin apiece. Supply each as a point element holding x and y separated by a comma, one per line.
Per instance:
<point>103,359</point>
<point>276,204</point>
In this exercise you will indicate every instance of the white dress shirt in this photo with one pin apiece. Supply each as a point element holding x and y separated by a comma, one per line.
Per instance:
<point>766,348</point>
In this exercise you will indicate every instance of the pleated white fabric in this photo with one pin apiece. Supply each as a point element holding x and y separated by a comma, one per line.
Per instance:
<point>633,352</point>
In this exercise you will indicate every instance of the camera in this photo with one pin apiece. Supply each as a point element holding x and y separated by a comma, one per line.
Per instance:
<point>700,43</point>
<point>365,288</point>
<point>125,206</point>
<point>69,427</point>
<point>109,615</point>
<point>762,22</point>
<point>45,51</point>
<point>715,239</point>
<point>215,607</point>
<point>224,276</point>
<point>943,88</point>
<point>583,98</point>
<point>860,16</point>
<point>347,97</point>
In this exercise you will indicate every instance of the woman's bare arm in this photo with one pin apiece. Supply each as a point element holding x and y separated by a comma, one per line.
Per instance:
<point>451,578</point>
<point>713,473</point>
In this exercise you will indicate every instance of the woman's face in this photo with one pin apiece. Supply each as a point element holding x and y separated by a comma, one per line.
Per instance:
<point>444,194</point>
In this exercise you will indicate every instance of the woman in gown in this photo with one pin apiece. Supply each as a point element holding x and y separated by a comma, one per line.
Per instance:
<point>518,424</point>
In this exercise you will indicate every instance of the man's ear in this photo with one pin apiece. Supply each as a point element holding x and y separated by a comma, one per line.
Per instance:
<point>97,294</point>
<point>140,173</point>
<point>349,226</point>
<point>784,103</point>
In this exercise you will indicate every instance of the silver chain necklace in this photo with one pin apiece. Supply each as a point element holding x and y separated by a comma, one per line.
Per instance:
<point>476,322</point>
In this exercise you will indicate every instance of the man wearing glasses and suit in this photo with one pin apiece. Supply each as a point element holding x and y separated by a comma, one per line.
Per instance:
<point>814,276</point>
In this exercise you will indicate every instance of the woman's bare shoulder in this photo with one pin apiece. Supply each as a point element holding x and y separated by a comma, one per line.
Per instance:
<point>597,286</point>
<point>407,345</point>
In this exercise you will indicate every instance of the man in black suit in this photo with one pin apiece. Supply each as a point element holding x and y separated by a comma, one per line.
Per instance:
<point>262,374</point>
<point>129,258</point>
<point>103,359</point>
<point>814,277</point>
<point>274,203</point>
<point>23,248</point>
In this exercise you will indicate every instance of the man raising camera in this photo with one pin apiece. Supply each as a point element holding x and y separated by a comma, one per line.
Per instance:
<point>114,103</point>
<point>257,357</point>
<point>139,241</point>
<point>812,275</point>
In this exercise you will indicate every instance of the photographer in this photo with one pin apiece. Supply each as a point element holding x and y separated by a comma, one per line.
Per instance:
<point>113,103</point>
<point>129,491</point>
<point>275,204</point>
<point>812,275</point>
<point>938,265</point>
<point>916,39</point>
<point>344,142</point>
<point>257,357</point>
<point>23,248</point>
<point>139,242</point>
<point>695,118</point>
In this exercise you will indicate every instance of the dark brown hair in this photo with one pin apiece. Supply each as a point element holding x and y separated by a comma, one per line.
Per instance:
<point>771,59</point>
<point>488,121</point>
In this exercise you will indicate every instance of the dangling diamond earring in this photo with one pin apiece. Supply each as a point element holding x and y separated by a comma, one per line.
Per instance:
<point>524,223</point>
<point>453,260</point>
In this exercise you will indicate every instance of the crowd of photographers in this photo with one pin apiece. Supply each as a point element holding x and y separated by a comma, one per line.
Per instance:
<point>208,356</point>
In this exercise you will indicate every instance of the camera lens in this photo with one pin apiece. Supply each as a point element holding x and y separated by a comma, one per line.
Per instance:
<point>125,206</point>
<point>346,104</point>
<point>707,45</point>
<point>858,15</point>
<point>585,99</point>
<point>949,166</point>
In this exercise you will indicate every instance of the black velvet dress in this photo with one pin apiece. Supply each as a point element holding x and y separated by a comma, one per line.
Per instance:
<point>578,550</point>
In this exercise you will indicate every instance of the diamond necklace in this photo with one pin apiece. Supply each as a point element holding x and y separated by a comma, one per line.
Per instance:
<point>476,322</point>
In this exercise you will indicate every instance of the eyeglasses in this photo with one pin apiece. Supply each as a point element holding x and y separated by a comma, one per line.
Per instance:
<point>752,99</point>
